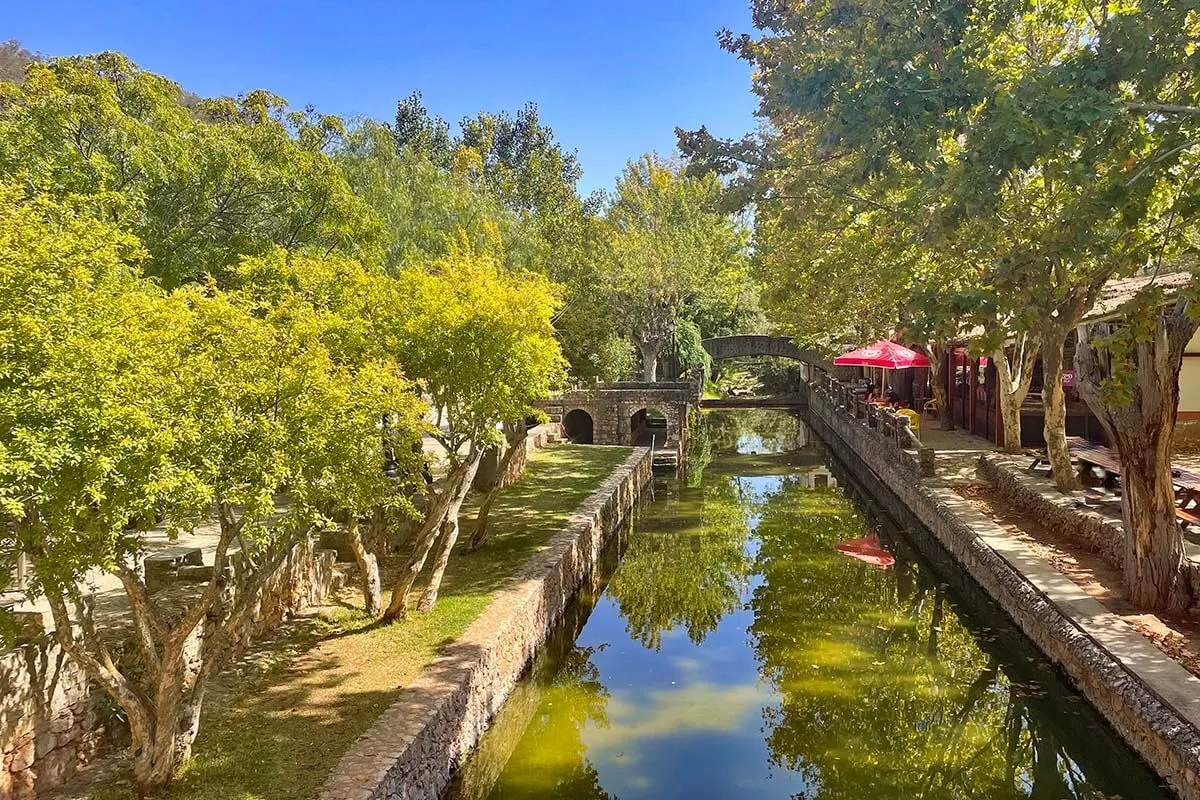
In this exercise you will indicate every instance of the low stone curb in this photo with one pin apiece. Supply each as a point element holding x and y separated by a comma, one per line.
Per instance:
<point>414,747</point>
<point>1151,701</point>
<point>1098,533</point>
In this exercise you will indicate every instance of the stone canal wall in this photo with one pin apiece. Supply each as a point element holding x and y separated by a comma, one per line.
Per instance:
<point>1152,702</point>
<point>416,744</point>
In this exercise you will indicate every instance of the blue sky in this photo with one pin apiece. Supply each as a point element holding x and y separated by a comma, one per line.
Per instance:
<point>612,77</point>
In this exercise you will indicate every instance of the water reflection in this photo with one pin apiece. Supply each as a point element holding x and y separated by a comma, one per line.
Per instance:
<point>692,572</point>
<point>736,653</point>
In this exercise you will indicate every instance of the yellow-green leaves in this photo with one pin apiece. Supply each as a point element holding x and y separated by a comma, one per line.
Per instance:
<point>201,185</point>
<point>479,339</point>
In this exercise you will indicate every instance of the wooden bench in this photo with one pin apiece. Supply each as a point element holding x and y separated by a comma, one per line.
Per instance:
<point>1039,457</point>
<point>1094,455</point>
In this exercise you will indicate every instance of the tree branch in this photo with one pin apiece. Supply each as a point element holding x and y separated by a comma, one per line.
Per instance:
<point>1163,108</point>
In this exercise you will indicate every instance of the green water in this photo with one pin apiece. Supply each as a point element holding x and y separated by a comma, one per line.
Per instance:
<point>735,653</point>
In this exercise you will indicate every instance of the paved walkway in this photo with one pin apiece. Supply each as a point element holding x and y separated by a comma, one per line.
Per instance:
<point>106,588</point>
<point>957,452</point>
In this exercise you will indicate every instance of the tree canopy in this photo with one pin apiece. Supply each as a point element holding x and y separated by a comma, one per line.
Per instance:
<point>676,258</point>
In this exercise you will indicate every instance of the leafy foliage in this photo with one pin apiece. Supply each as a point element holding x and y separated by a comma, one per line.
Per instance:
<point>201,186</point>
<point>675,256</point>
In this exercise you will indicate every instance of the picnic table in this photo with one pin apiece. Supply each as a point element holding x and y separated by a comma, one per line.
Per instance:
<point>1090,455</point>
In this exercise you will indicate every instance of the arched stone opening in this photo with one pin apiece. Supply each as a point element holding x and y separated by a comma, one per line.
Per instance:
<point>578,426</point>
<point>649,426</point>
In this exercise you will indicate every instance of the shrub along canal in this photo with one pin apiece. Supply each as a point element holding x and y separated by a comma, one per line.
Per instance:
<point>767,634</point>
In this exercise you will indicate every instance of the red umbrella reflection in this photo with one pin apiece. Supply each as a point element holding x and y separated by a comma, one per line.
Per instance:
<point>867,549</point>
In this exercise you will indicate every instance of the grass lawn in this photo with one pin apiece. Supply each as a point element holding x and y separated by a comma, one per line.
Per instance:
<point>281,731</point>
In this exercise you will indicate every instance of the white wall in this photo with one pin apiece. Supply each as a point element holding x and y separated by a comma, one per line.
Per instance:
<point>1189,379</point>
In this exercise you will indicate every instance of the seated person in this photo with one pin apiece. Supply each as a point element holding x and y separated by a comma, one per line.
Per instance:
<point>893,397</point>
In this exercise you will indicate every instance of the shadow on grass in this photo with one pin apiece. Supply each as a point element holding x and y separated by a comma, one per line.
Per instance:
<point>279,733</point>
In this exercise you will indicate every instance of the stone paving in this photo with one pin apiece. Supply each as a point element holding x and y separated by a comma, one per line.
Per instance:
<point>956,451</point>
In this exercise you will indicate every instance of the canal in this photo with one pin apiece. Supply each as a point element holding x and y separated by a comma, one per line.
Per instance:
<point>767,633</point>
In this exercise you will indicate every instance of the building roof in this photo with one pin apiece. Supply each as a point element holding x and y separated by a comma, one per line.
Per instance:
<point>1117,293</point>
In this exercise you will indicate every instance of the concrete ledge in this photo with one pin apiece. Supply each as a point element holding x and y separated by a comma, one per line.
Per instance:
<point>1151,701</point>
<point>417,743</point>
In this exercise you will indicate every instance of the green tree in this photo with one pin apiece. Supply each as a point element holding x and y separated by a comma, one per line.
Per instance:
<point>1128,371</point>
<point>515,161</point>
<point>425,136</point>
<point>673,253</point>
<point>121,405</point>
<point>425,208</point>
<point>1064,127</point>
<point>480,341</point>
<point>360,463</point>
<point>203,185</point>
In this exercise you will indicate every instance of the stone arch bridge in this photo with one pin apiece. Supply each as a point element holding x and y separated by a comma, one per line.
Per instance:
<point>720,348</point>
<point>627,413</point>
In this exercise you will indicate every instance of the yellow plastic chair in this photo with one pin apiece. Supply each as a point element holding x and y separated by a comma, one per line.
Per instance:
<point>932,405</point>
<point>914,419</point>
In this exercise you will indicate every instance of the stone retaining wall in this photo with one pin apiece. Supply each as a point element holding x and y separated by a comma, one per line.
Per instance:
<point>1100,534</point>
<point>1094,531</point>
<point>416,744</point>
<point>1164,732</point>
<point>49,725</point>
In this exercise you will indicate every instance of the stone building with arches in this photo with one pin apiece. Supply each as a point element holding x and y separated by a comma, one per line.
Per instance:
<point>627,414</point>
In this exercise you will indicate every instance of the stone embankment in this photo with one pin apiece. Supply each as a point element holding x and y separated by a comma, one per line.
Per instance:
<point>1151,701</point>
<point>416,744</point>
<point>49,719</point>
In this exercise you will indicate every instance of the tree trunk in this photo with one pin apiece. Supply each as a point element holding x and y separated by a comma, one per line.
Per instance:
<point>154,766</point>
<point>937,382</point>
<point>1154,554</point>
<point>1014,378</point>
<point>162,702</point>
<point>450,529</point>
<point>189,719</point>
<point>650,351</point>
<point>1143,429</point>
<point>649,367</point>
<point>368,568</point>
<point>1054,410</point>
<point>427,536</point>
<point>517,444</point>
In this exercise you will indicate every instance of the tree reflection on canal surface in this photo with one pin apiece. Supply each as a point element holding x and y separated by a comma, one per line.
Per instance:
<point>736,653</point>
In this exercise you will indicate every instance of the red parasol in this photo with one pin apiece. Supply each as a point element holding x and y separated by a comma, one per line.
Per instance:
<point>888,355</point>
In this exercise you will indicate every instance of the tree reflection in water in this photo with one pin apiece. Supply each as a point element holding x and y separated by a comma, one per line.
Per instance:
<point>690,570</point>
<point>551,760</point>
<point>803,673</point>
<point>883,691</point>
